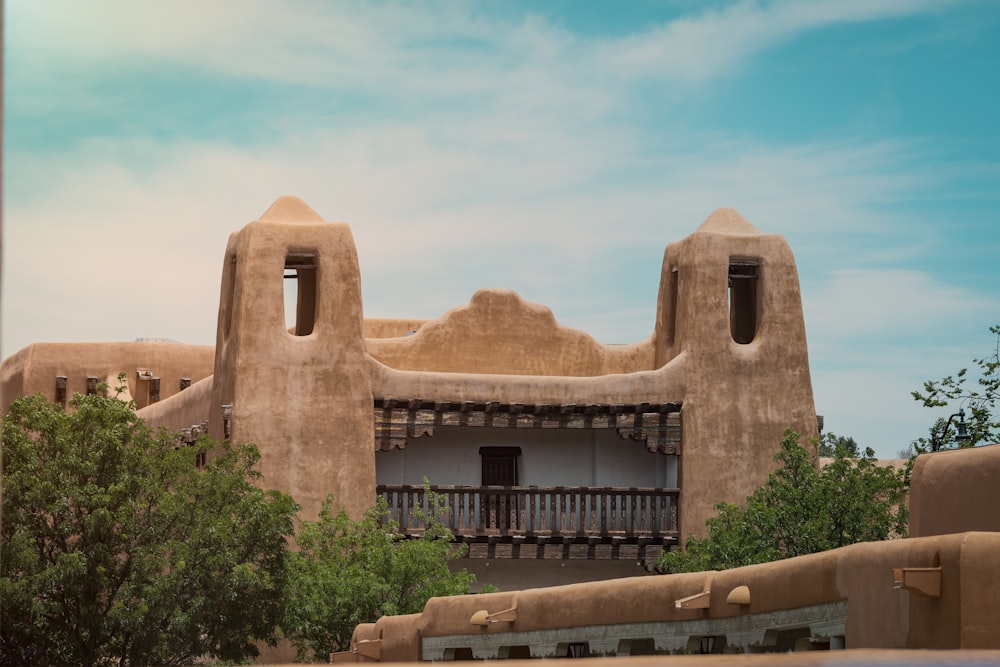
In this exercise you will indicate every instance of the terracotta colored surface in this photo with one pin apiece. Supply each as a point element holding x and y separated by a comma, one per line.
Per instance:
<point>522,339</point>
<point>307,400</point>
<point>955,490</point>
<point>33,369</point>
<point>808,658</point>
<point>965,615</point>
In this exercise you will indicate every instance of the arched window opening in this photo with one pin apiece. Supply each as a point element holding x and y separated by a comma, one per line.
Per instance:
<point>743,299</point>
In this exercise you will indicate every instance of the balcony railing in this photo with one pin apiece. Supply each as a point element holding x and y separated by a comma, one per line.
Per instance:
<point>537,513</point>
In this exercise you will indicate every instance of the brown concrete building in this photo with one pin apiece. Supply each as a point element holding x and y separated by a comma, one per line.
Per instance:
<point>549,447</point>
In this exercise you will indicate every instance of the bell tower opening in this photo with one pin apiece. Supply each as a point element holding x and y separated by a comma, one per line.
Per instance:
<point>743,299</point>
<point>301,294</point>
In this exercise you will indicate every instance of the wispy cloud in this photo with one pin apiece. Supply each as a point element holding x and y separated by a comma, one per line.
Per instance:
<point>467,148</point>
<point>435,51</point>
<point>717,41</point>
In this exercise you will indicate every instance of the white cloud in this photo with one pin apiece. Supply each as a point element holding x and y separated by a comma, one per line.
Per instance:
<point>892,303</point>
<point>551,216</point>
<point>717,41</point>
<point>493,160</point>
<point>432,51</point>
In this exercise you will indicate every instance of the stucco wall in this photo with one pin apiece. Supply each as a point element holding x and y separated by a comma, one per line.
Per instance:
<point>498,332</point>
<point>878,615</point>
<point>34,368</point>
<point>954,491</point>
<point>188,408</point>
<point>549,457</point>
<point>384,327</point>
<point>307,400</point>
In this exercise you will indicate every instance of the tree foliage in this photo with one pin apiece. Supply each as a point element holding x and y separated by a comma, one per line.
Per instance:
<point>831,445</point>
<point>801,509</point>
<point>979,396</point>
<point>116,548</point>
<point>349,572</point>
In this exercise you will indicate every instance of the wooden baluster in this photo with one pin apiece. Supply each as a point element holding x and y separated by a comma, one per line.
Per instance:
<point>522,523</point>
<point>471,521</point>
<point>532,525</point>
<point>613,524</point>
<point>573,528</point>
<point>652,511</point>
<point>453,501</point>
<point>662,508</point>
<point>605,528</point>
<point>640,526</point>
<point>552,511</point>
<point>405,523</point>
<point>664,518</point>
<point>504,517</point>
<point>511,511</point>
<point>562,510</point>
<point>544,511</point>
<point>633,520</point>
<point>422,506</point>
<point>591,515</point>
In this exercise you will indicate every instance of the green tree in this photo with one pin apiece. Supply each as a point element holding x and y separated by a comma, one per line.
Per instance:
<point>801,509</point>
<point>978,396</point>
<point>349,572</point>
<point>116,548</point>
<point>830,443</point>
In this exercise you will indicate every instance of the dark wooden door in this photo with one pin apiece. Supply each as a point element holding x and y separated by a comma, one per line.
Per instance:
<point>499,510</point>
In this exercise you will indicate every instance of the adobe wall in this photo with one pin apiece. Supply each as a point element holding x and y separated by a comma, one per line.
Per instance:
<point>954,491</point>
<point>304,397</point>
<point>191,407</point>
<point>878,615</point>
<point>34,368</point>
<point>385,327</point>
<point>739,398</point>
<point>497,332</point>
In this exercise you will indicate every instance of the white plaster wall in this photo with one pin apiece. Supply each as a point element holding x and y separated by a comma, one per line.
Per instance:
<point>549,457</point>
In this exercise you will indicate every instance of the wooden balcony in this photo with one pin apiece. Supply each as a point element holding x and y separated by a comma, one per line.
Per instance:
<point>559,515</point>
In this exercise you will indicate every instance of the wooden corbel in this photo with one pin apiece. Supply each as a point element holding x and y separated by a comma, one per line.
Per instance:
<point>484,618</point>
<point>925,581</point>
<point>696,601</point>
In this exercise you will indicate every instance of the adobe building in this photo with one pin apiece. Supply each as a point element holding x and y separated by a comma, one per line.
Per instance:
<point>547,446</point>
<point>933,591</point>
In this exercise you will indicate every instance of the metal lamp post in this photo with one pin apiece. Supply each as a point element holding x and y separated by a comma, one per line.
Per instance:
<point>961,436</point>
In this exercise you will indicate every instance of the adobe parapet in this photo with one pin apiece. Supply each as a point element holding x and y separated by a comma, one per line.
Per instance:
<point>923,593</point>
<point>154,371</point>
<point>955,491</point>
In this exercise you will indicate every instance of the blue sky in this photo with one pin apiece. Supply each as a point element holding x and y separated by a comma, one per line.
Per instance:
<point>552,148</point>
